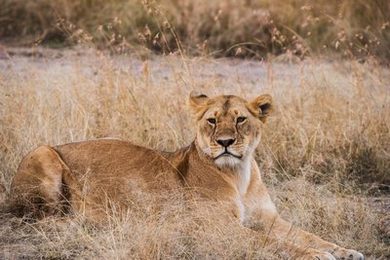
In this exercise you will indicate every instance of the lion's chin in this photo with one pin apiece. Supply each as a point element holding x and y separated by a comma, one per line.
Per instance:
<point>227,161</point>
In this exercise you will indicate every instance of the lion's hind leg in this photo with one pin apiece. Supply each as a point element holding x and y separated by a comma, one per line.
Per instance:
<point>37,189</point>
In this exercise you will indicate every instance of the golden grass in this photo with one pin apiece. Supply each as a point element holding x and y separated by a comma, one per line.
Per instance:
<point>323,153</point>
<point>352,28</point>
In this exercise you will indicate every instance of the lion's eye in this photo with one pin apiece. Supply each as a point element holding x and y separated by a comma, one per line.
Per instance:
<point>212,121</point>
<point>241,119</point>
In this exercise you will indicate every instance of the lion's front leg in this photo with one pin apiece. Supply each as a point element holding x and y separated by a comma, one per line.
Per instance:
<point>279,229</point>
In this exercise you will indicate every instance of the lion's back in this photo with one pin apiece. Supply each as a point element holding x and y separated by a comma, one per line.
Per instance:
<point>111,162</point>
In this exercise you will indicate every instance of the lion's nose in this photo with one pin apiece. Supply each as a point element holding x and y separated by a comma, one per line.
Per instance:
<point>226,142</point>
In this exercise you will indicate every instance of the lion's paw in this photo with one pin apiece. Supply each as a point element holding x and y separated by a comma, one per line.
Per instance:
<point>347,254</point>
<point>317,255</point>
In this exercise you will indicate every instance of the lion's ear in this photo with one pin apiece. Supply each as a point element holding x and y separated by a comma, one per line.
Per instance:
<point>198,102</point>
<point>261,107</point>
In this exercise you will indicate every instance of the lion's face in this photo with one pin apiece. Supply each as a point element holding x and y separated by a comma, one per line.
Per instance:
<point>228,127</point>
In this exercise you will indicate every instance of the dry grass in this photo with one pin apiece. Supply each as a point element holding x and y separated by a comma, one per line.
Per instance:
<point>352,28</point>
<point>324,152</point>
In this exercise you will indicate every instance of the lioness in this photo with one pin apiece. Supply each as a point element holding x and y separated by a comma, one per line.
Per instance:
<point>219,162</point>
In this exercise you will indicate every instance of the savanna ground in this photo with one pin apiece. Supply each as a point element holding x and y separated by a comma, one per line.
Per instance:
<point>325,152</point>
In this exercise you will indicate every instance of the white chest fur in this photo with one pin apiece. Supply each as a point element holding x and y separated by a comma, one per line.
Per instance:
<point>243,177</point>
<point>260,202</point>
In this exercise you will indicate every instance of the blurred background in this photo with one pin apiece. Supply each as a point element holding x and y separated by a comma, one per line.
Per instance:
<point>295,28</point>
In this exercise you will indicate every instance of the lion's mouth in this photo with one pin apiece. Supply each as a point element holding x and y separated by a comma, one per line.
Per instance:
<point>227,153</point>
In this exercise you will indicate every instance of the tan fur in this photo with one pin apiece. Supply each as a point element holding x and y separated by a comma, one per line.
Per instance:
<point>219,165</point>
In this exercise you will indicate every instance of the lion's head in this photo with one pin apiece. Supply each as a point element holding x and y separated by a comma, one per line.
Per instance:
<point>228,127</point>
